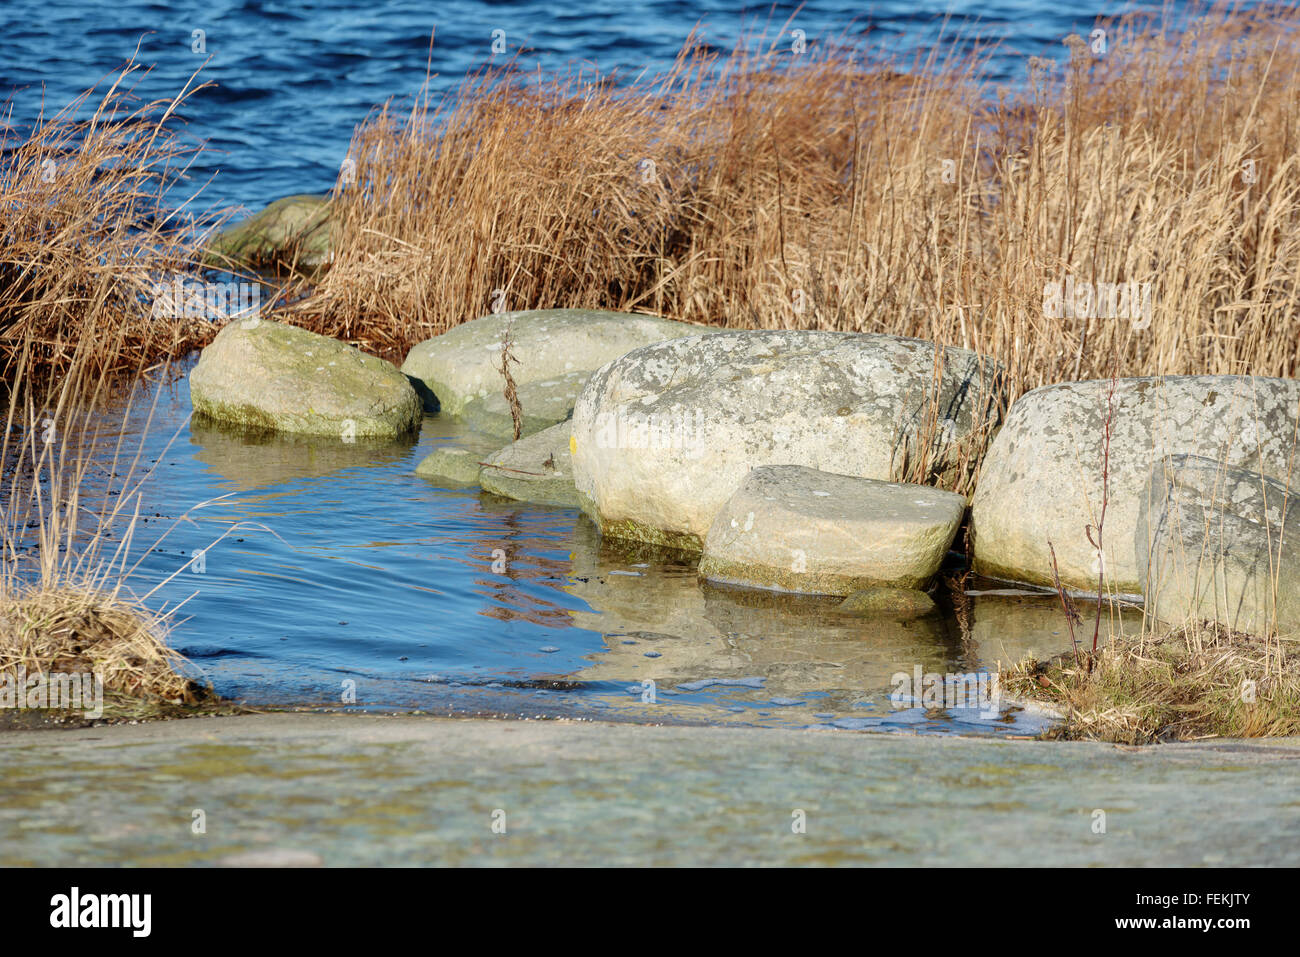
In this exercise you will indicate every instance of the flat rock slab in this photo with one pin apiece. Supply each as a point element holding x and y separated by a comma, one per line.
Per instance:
<point>666,434</point>
<point>452,466</point>
<point>799,529</point>
<point>535,469</point>
<point>294,230</point>
<point>543,404</point>
<point>1217,543</point>
<point>464,363</point>
<point>584,793</point>
<point>1042,478</point>
<point>267,375</point>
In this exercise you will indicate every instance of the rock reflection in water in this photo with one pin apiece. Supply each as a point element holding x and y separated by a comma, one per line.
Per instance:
<point>256,459</point>
<point>662,623</point>
<point>1009,628</point>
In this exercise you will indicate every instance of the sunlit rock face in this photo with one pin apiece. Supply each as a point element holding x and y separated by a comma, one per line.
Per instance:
<point>1045,473</point>
<point>666,434</point>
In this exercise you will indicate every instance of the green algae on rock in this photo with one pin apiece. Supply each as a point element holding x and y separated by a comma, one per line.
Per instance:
<point>292,231</point>
<point>266,375</point>
<point>899,603</point>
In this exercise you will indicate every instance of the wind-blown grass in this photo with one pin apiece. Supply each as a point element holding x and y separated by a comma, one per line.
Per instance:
<point>833,190</point>
<point>88,228</point>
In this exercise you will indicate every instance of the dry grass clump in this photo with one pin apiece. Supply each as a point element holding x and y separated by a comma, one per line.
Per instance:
<point>836,190</point>
<point>87,231</point>
<point>1199,681</point>
<point>68,513</point>
<point>72,630</point>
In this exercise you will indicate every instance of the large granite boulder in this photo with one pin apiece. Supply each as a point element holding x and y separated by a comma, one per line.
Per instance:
<point>267,375</point>
<point>663,436</point>
<point>464,363</point>
<point>1218,543</point>
<point>293,231</point>
<point>1042,478</point>
<point>797,529</point>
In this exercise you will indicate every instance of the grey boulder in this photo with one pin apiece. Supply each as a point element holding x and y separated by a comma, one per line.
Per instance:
<point>464,363</point>
<point>1221,544</point>
<point>267,375</point>
<point>1042,479</point>
<point>797,529</point>
<point>664,435</point>
<point>535,469</point>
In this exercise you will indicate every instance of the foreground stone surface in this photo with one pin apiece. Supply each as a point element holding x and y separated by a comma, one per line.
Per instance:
<point>294,230</point>
<point>535,469</point>
<point>267,375</point>
<point>1220,544</point>
<point>1042,477</point>
<point>357,791</point>
<point>664,435</point>
<point>799,529</point>
<point>544,404</point>
<point>463,364</point>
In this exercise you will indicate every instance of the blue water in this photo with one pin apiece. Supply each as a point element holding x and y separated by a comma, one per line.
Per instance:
<point>292,80</point>
<point>303,571</point>
<point>345,580</point>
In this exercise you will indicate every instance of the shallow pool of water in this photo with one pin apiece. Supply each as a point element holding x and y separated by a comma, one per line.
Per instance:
<point>332,575</point>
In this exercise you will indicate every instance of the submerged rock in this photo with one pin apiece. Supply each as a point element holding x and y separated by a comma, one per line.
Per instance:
<point>464,363</point>
<point>291,231</point>
<point>666,434</point>
<point>1042,477</point>
<point>798,529</point>
<point>534,469</point>
<point>899,603</point>
<point>1222,544</point>
<point>456,459</point>
<point>543,403</point>
<point>267,375</point>
<point>451,465</point>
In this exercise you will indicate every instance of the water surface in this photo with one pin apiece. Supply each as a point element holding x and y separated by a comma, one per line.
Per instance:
<point>331,575</point>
